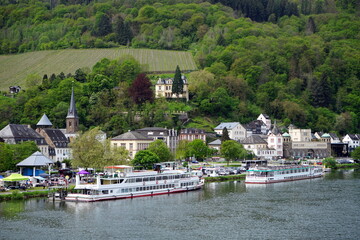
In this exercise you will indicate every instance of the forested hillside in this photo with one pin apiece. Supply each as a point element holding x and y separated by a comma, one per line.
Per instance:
<point>296,60</point>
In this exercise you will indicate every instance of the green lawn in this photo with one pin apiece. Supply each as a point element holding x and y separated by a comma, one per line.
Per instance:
<point>15,68</point>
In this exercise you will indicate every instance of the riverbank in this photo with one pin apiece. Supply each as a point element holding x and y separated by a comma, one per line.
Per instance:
<point>19,195</point>
<point>347,166</point>
<point>225,178</point>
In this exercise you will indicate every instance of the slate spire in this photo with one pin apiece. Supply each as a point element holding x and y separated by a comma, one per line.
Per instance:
<point>72,113</point>
<point>72,119</point>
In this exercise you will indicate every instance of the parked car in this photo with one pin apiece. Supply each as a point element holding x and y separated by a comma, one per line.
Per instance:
<point>344,161</point>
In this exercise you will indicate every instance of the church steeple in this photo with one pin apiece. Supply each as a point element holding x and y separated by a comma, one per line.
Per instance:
<point>72,119</point>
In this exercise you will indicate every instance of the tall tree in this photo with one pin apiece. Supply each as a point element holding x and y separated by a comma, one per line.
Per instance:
<point>321,93</point>
<point>181,149</point>
<point>232,150</point>
<point>198,149</point>
<point>89,152</point>
<point>225,135</point>
<point>140,90</point>
<point>145,159</point>
<point>12,154</point>
<point>102,25</point>
<point>160,148</point>
<point>122,31</point>
<point>178,84</point>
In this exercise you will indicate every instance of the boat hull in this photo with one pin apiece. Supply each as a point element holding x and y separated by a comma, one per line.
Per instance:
<point>280,180</point>
<point>95,198</point>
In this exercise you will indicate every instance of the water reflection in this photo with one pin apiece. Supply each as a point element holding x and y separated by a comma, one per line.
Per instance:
<point>323,208</point>
<point>11,209</point>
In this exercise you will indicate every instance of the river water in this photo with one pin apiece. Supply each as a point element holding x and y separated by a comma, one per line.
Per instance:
<point>324,208</point>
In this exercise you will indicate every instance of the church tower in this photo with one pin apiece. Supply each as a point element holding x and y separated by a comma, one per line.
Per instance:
<point>72,119</point>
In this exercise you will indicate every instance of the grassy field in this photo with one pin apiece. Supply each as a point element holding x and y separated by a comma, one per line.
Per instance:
<point>15,68</point>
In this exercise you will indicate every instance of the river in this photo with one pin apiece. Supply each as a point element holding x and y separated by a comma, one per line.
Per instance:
<point>323,208</point>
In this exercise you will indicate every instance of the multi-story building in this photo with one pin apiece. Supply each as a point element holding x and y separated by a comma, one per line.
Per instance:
<point>353,141</point>
<point>169,136</point>
<point>132,141</point>
<point>256,127</point>
<point>55,138</point>
<point>265,119</point>
<point>298,144</point>
<point>17,133</point>
<point>275,141</point>
<point>257,145</point>
<point>236,130</point>
<point>163,88</point>
<point>299,135</point>
<point>190,134</point>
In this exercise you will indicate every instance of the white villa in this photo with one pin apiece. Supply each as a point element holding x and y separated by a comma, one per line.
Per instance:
<point>235,129</point>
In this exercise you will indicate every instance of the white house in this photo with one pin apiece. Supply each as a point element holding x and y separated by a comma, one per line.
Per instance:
<point>353,140</point>
<point>276,141</point>
<point>299,135</point>
<point>265,119</point>
<point>235,129</point>
<point>259,147</point>
<point>163,88</point>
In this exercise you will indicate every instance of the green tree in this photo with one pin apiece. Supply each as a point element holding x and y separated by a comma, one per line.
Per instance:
<point>12,154</point>
<point>329,163</point>
<point>102,25</point>
<point>198,149</point>
<point>181,149</point>
<point>122,31</point>
<point>225,135</point>
<point>232,150</point>
<point>356,153</point>
<point>145,159</point>
<point>160,148</point>
<point>178,84</point>
<point>89,152</point>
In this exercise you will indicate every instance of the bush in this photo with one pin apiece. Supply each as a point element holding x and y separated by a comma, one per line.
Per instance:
<point>330,163</point>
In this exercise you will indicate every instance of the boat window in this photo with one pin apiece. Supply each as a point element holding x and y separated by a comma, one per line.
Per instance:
<point>146,179</point>
<point>152,179</point>
<point>177,176</point>
<point>137,189</point>
<point>138,179</point>
<point>105,191</point>
<point>165,177</point>
<point>131,180</point>
<point>158,178</point>
<point>147,188</point>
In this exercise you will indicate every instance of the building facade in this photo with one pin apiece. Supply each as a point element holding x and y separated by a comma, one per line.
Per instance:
<point>17,133</point>
<point>58,143</point>
<point>353,141</point>
<point>169,136</point>
<point>235,129</point>
<point>257,145</point>
<point>190,134</point>
<point>163,88</point>
<point>132,141</point>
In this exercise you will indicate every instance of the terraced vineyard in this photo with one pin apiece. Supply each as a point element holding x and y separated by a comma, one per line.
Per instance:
<point>15,68</point>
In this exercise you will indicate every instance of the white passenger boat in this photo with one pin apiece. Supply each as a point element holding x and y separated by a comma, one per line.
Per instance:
<point>135,184</point>
<point>274,174</point>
